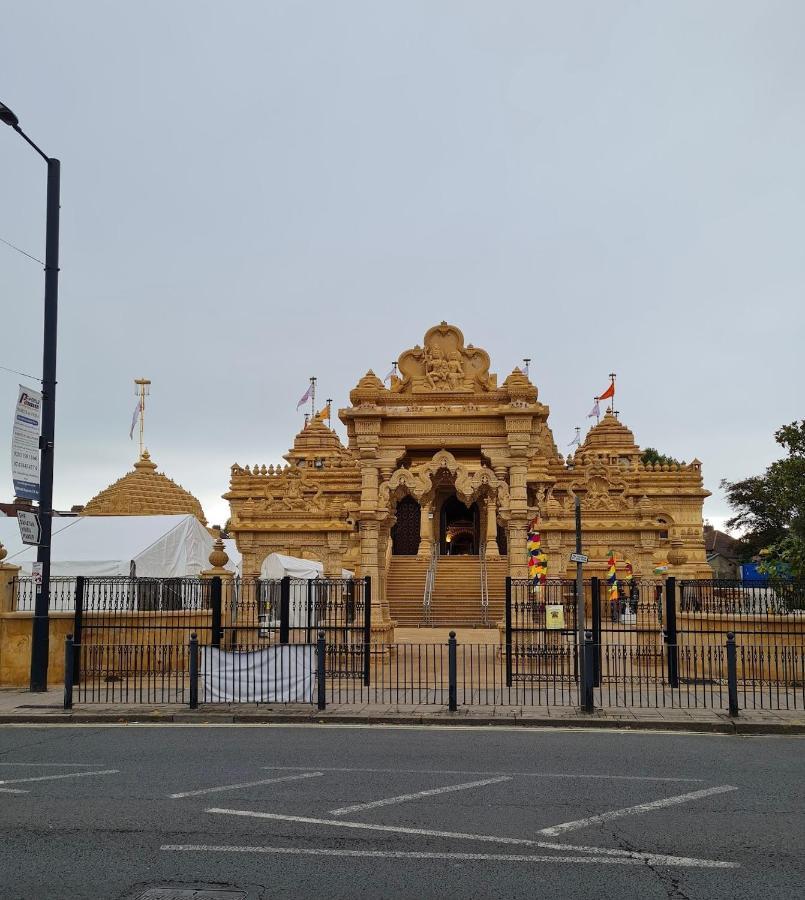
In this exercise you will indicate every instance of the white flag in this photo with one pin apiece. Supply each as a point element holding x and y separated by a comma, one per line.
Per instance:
<point>134,419</point>
<point>306,396</point>
<point>391,372</point>
<point>594,411</point>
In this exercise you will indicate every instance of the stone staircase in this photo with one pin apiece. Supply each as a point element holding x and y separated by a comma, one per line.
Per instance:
<point>405,586</point>
<point>456,601</point>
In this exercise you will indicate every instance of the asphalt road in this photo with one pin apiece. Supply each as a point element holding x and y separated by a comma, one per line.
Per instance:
<point>307,811</point>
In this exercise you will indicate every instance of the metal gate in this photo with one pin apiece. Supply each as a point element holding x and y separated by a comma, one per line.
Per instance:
<point>540,638</point>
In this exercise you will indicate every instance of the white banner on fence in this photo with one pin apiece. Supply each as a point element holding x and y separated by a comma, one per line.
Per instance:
<point>25,443</point>
<point>280,674</point>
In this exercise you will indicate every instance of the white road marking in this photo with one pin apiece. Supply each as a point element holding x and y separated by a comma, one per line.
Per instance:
<point>636,810</point>
<point>54,765</point>
<point>54,777</point>
<point>652,858</point>
<point>471,772</point>
<point>404,798</point>
<point>244,784</point>
<point>12,791</point>
<point>459,857</point>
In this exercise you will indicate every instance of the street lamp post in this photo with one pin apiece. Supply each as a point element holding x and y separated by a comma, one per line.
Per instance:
<point>40,637</point>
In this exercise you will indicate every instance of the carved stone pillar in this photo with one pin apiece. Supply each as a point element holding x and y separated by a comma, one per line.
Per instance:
<point>490,505</point>
<point>425,530</point>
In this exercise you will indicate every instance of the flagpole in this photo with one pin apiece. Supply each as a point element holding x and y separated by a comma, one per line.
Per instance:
<point>597,411</point>
<point>141,390</point>
<point>612,381</point>
<point>329,412</point>
<point>312,396</point>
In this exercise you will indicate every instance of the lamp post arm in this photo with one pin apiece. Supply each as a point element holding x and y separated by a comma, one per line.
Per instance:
<point>25,137</point>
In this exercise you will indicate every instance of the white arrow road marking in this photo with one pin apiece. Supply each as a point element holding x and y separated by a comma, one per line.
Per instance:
<point>463,857</point>
<point>244,784</point>
<point>11,791</point>
<point>65,775</point>
<point>635,810</point>
<point>404,798</point>
<point>652,858</point>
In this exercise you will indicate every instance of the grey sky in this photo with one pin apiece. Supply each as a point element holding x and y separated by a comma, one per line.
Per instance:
<point>253,193</point>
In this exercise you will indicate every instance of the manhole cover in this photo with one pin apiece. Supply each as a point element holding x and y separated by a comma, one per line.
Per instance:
<point>184,894</point>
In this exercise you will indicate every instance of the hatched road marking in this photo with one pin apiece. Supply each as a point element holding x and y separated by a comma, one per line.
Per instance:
<point>554,830</point>
<point>650,858</point>
<point>404,798</point>
<point>244,784</point>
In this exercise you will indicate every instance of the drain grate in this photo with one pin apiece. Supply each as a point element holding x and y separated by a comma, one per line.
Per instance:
<point>168,893</point>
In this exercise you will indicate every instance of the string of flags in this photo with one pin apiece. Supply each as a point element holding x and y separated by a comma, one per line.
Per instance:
<point>537,560</point>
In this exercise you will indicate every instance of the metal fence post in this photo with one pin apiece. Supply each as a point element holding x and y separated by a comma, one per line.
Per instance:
<point>285,609</point>
<point>588,700</point>
<point>671,648</point>
<point>321,653</point>
<point>78,627</point>
<point>595,594</point>
<point>732,674</point>
<point>215,604</point>
<point>367,629</point>
<point>452,686</point>
<point>69,663</point>
<point>193,671</point>
<point>508,631</point>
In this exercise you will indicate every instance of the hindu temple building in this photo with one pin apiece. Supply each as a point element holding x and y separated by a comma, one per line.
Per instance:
<point>441,475</point>
<point>144,492</point>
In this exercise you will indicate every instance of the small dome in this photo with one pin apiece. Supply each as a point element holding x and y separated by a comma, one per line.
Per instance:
<point>519,387</point>
<point>608,436</point>
<point>144,492</point>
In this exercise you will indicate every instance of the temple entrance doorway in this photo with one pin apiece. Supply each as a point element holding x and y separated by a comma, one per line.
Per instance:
<point>405,532</point>
<point>459,528</point>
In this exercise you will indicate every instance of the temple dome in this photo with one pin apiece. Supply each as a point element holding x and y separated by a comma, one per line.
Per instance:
<point>609,436</point>
<point>144,492</point>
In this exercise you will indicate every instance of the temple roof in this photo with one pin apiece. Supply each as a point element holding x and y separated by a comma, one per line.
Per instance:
<point>144,492</point>
<point>315,440</point>
<point>609,435</point>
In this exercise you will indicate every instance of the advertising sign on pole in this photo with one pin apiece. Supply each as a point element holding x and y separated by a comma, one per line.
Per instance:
<point>30,529</point>
<point>36,573</point>
<point>25,444</point>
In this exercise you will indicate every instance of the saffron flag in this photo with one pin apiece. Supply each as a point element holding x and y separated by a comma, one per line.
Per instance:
<point>609,392</point>
<point>324,412</point>
<point>612,577</point>
<point>134,419</point>
<point>306,396</point>
<point>595,411</point>
<point>629,573</point>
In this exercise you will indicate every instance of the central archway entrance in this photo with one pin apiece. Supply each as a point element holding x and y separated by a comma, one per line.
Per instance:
<point>459,531</point>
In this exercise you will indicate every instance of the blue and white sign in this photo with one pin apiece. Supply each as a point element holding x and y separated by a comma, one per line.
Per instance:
<point>25,444</point>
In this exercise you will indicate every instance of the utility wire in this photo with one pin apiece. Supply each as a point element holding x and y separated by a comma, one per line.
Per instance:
<point>14,247</point>
<point>24,374</point>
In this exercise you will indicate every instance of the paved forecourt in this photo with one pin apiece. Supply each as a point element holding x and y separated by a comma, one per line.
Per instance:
<point>290,811</point>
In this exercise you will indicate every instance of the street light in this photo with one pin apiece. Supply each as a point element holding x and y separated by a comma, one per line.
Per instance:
<point>40,633</point>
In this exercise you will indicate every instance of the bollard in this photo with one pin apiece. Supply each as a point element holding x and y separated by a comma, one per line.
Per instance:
<point>588,699</point>
<point>732,674</point>
<point>452,687</point>
<point>321,655</point>
<point>193,671</point>
<point>69,661</point>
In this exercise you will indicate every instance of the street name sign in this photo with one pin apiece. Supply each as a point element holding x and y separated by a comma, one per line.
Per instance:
<point>30,529</point>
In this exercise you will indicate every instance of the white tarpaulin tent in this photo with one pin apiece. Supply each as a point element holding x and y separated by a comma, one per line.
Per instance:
<point>276,565</point>
<point>105,546</point>
<point>235,559</point>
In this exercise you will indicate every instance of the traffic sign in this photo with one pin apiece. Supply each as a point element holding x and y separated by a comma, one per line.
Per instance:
<point>30,529</point>
<point>579,558</point>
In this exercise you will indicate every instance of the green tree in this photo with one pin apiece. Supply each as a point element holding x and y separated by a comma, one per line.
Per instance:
<point>652,456</point>
<point>770,508</point>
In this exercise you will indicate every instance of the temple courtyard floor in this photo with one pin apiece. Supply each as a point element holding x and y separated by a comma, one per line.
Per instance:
<point>236,811</point>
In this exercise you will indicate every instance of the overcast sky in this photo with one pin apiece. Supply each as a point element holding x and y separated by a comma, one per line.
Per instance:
<point>257,192</point>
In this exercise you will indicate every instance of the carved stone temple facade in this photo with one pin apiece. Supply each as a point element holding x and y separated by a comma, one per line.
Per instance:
<point>445,460</point>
